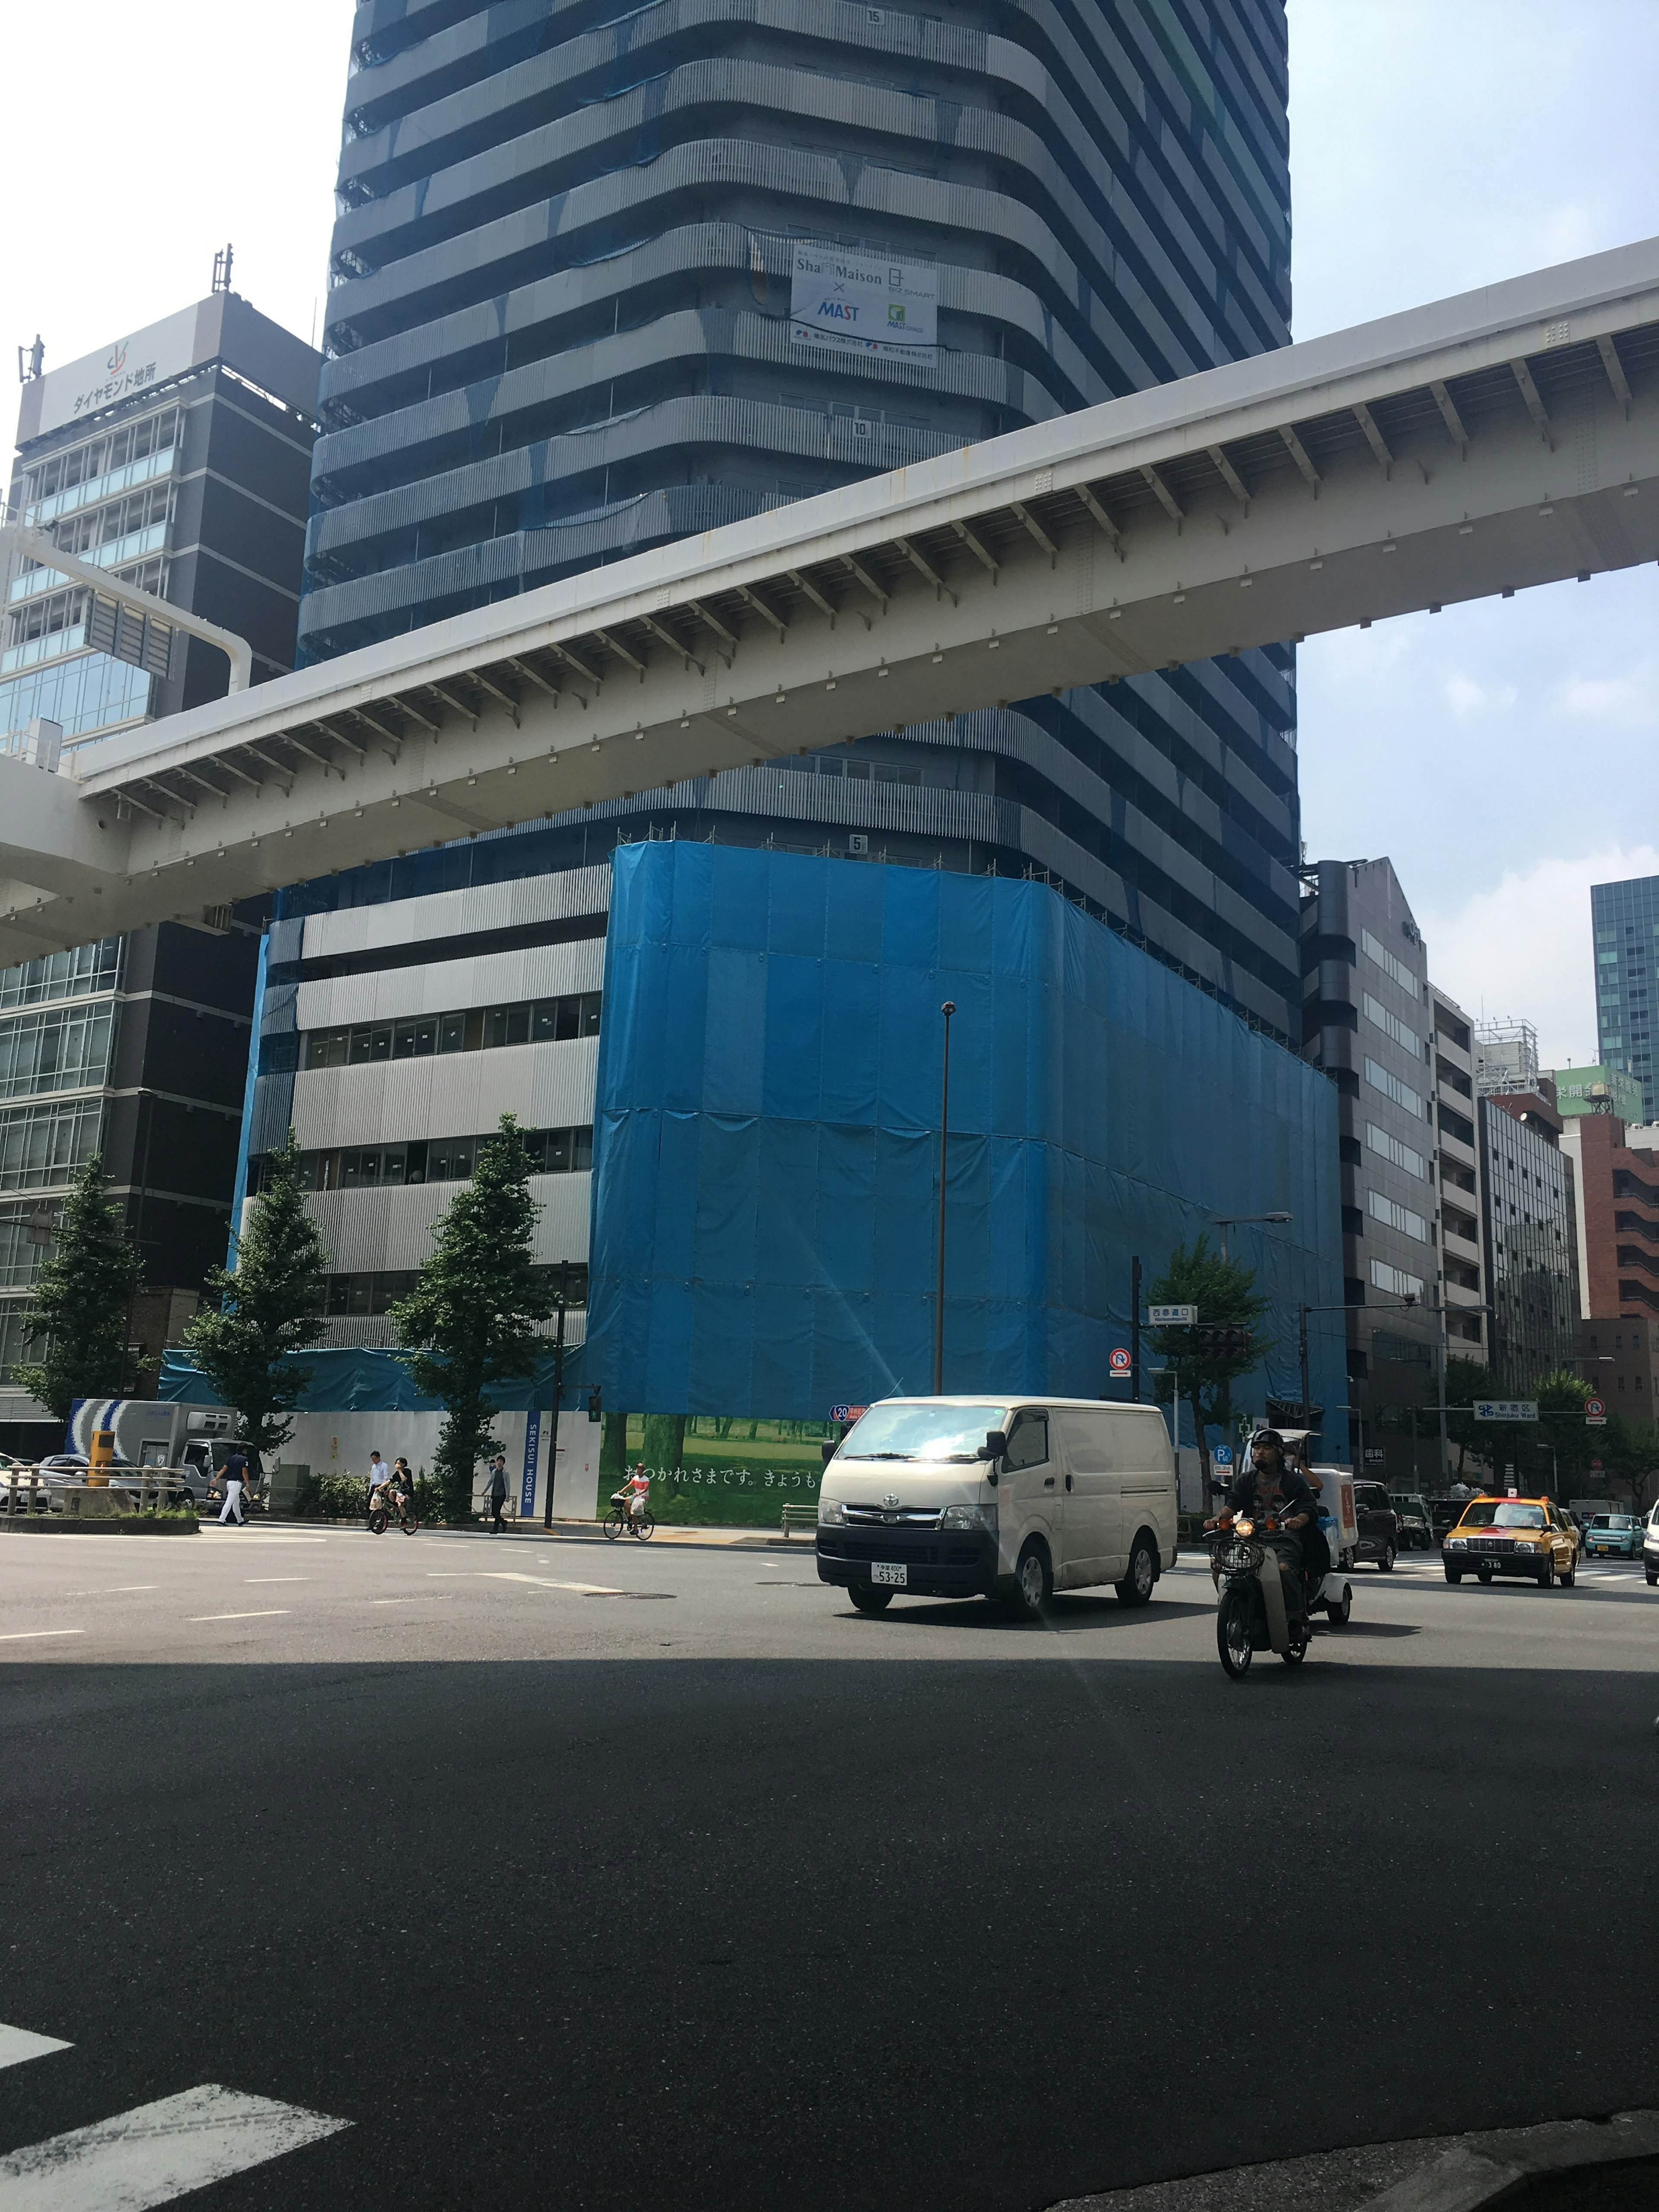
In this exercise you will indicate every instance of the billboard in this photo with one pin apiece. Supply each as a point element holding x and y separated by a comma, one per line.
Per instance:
<point>131,364</point>
<point>854,303</point>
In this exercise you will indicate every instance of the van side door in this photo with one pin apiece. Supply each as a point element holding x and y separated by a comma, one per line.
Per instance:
<point>1030,1485</point>
<point>1094,1506</point>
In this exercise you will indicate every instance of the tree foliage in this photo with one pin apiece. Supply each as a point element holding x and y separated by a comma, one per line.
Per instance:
<point>82,1301</point>
<point>472,1315</point>
<point>1225,1292</point>
<point>268,1306</point>
<point>1467,1382</point>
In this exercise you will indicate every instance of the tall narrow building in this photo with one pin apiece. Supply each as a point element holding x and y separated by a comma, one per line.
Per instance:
<point>176,458</point>
<point>597,282</point>
<point>1625,918</point>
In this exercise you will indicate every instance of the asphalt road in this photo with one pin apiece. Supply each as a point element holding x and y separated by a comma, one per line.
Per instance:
<point>615,1876</point>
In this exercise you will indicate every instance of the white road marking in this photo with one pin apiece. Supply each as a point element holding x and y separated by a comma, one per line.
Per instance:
<point>33,1635</point>
<point>112,1590</point>
<point>270,1614</point>
<point>157,2152</point>
<point>17,2044</point>
<point>249,1581</point>
<point>540,1582</point>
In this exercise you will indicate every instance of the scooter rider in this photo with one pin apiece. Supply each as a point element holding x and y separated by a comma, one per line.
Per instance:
<point>1269,1484</point>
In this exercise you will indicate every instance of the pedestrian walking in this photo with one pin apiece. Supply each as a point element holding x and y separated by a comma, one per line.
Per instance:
<point>497,1490</point>
<point>236,1477</point>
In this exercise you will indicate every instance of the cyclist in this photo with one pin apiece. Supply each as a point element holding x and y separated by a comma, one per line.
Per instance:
<point>638,1493</point>
<point>379,1474</point>
<point>402,1486</point>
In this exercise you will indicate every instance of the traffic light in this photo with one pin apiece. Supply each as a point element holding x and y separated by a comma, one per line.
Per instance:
<point>593,1406</point>
<point>1224,1347</point>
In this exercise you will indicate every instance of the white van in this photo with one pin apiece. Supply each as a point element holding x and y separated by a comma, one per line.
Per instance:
<point>1006,1498</point>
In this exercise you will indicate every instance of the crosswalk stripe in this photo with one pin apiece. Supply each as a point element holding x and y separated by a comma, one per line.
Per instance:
<point>541,1582</point>
<point>157,2152</point>
<point>17,2044</point>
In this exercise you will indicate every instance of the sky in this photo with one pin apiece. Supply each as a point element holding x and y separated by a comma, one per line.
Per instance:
<point>1502,755</point>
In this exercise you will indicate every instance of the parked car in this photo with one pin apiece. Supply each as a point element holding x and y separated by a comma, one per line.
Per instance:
<point>1613,1536</point>
<point>1444,1513</point>
<point>1650,1548</point>
<point>1379,1525</point>
<point>1530,1536</point>
<point>1412,1512</point>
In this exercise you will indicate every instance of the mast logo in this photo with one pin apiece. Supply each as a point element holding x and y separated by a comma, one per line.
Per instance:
<point>118,360</point>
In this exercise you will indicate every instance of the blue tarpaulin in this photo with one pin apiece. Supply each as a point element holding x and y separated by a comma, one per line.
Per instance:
<point>765,1205</point>
<point>368,1381</point>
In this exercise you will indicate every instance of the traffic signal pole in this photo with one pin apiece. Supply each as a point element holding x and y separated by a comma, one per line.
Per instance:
<point>1134,1329</point>
<point>558,1399</point>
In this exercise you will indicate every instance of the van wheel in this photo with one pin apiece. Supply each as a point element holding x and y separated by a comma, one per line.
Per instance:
<point>1033,1584</point>
<point>1136,1588</point>
<point>868,1599</point>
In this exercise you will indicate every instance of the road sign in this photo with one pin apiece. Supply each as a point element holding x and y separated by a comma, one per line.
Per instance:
<point>1595,1413</point>
<point>1223,1454</point>
<point>1118,1359</point>
<point>1172,1316</point>
<point>1505,1409</point>
<point>848,1412</point>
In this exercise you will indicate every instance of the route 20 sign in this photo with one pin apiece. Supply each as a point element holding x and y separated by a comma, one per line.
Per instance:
<point>1119,1359</point>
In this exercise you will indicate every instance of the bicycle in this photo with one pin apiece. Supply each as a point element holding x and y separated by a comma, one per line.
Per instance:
<point>619,1522</point>
<point>379,1516</point>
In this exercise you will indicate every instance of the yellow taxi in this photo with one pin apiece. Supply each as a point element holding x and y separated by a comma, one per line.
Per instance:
<point>1530,1536</point>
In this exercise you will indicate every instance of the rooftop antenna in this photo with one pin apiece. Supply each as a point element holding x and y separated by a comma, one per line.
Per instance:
<point>30,359</point>
<point>221,269</point>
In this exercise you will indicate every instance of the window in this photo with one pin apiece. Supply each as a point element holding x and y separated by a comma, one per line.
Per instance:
<point>1401,1093</point>
<point>1377,952</point>
<point>371,1294</point>
<point>40,1145</point>
<point>1378,1014</point>
<point>76,975</point>
<point>1402,1155</point>
<point>1028,1441</point>
<point>431,1159</point>
<point>1397,1217</point>
<point>1403,1351</point>
<point>539,1021</point>
<point>1385,1278</point>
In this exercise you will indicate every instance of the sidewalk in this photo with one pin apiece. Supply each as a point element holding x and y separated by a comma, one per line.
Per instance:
<point>589,1532</point>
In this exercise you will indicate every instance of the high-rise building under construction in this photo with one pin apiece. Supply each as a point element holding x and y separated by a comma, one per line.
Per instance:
<point>599,281</point>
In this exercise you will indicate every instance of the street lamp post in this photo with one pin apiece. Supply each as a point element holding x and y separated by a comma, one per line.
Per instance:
<point>558,1397</point>
<point>947,1010</point>
<point>1224,1222</point>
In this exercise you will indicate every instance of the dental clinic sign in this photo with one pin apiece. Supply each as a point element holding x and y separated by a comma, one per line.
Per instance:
<point>851,303</point>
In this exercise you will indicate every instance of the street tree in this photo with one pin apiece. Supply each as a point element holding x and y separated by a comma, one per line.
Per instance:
<point>82,1303</point>
<point>1467,1382</point>
<point>1225,1292</point>
<point>472,1315</point>
<point>255,1315</point>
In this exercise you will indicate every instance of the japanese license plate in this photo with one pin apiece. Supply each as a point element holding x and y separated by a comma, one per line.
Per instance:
<point>895,1577</point>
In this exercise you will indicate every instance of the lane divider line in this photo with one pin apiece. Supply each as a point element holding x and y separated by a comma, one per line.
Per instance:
<point>157,2152</point>
<point>271,1614</point>
<point>18,2044</point>
<point>34,1635</point>
<point>250,1581</point>
<point>112,1590</point>
<point>540,1582</point>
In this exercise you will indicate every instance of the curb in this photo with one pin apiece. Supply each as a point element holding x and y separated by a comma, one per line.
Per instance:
<point>1522,2168</point>
<point>70,1524</point>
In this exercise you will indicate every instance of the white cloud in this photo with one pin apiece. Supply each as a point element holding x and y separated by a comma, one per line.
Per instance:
<point>1522,949</point>
<point>1618,702</point>
<point>1469,700</point>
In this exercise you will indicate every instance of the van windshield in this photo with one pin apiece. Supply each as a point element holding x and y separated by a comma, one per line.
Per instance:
<point>927,1432</point>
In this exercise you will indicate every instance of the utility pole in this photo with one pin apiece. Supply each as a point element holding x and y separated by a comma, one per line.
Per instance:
<point>558,1395</point>
<point>1134,1329</point>
<point>1302,1313</point>
<point>947,1010</point>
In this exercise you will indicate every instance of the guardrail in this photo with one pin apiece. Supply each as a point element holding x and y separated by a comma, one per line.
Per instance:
<point>799,1516</point>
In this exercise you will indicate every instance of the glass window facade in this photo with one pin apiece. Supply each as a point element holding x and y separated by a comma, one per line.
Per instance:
<point>1625,922</point>
<point>80,974</point>
<point>67,1049</point>
<point>41,1146</point>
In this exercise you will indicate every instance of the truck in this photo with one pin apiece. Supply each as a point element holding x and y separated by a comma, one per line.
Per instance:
<point>191,1442</point>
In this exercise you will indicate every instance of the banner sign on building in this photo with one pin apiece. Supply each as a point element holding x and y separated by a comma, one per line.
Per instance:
<point>532,1449</point>
<point>853,303</point>
<point>131,364</point>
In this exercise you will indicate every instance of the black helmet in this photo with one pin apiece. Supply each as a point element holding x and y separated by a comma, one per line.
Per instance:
<point>1267,1436</point>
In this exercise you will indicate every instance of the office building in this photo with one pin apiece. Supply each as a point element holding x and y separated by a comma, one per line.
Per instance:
<point>1367,1016</point>
<point>1597,1089</point>
<point>1624,923</point>
<point>1461,1200</point>
<point>1619,1357</point>
<point>591,292</point>
<point>1616,1189</point>
<point>1531,1229</point>
<point>177,457</point>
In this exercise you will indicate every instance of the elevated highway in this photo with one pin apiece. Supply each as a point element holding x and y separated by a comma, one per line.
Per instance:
<point>1503,439</point>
